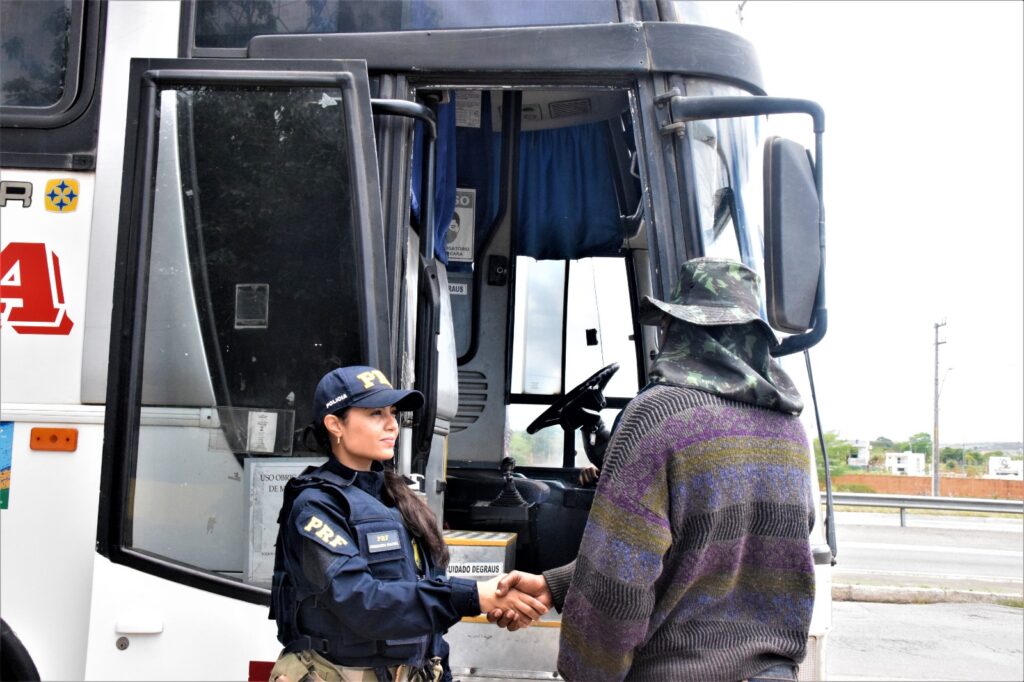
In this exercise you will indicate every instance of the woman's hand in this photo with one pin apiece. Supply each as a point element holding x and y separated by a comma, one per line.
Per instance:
<point>535,585</point>
<point>526,607</point>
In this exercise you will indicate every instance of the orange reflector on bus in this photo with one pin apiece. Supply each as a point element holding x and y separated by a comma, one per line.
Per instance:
<point>65,440</point>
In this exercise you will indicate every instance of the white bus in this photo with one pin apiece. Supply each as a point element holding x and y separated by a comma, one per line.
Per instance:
<point>206,205</point>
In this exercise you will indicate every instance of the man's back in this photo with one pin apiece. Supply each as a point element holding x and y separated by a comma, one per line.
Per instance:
<point>696,562</point>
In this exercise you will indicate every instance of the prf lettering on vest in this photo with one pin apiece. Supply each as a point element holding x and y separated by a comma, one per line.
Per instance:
<point>324,532</point>
<point>370,378</point>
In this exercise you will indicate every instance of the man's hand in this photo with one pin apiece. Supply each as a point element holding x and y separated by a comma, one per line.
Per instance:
<point>527,583</point>
<point>522,607</point>
<point>588,475</point>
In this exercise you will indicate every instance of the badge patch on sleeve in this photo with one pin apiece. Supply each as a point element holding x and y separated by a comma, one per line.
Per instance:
<point>321,531</point>
<point>382,541</point>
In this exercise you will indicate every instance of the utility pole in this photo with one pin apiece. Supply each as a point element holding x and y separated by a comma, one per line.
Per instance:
<point>935,432</point>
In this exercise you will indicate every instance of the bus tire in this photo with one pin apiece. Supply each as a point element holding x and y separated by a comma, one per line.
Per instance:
<point>15,662</point>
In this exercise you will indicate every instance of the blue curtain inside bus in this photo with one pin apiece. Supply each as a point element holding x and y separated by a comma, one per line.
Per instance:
<point>567,194</point>
<point>444,175</point>
<point>567,205</point>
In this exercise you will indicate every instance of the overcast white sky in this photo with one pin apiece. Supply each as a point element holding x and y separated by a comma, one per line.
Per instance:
<point>924,169</point>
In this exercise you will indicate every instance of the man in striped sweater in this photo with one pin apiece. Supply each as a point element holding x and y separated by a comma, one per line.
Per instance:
<point>696,562</point>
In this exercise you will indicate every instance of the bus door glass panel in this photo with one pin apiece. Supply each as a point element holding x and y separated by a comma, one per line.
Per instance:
<point>252,286</point>
<point>596,319</point>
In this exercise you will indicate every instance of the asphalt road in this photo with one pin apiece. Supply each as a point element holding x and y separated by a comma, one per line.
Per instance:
<point>952,552</point>
<point>886,642</point>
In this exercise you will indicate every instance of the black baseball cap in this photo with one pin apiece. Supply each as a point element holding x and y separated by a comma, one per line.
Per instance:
<point>360,386</point>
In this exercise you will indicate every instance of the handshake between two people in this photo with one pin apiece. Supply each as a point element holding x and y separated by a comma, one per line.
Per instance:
<point>514,600</point>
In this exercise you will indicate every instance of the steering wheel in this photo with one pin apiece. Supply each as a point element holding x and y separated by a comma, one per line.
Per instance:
<point>576,398</point>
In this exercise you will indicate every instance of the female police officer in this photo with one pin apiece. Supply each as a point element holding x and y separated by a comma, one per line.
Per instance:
<point>359,592</point>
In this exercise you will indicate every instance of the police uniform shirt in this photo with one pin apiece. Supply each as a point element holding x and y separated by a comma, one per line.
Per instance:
<point>366,576</point>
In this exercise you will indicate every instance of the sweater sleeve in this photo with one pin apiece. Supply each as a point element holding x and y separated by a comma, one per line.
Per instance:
<point>610,601</point>
<point>558,583</point>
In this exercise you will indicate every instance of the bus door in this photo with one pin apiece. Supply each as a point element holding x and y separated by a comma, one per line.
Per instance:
<point>250,261</point>
<point>546,252</point>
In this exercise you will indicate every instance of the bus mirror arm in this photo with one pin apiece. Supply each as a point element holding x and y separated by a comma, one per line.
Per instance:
<point>802,342</point>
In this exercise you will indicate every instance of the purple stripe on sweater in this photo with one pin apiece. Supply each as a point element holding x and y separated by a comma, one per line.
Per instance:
<point>728,485</point>
<point>613,639</point>
<point>744,606</point>
<point>630,485</point>
<point>751,551</point>
<point>793,611</point>
<point>630,500</point>
<point>718,421</point>
<point>619,558</point>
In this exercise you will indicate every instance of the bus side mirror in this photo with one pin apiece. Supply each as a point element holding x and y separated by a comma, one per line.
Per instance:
<point>793,240</point>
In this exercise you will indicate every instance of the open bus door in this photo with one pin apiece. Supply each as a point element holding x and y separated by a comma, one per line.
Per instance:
<point>250,261</point>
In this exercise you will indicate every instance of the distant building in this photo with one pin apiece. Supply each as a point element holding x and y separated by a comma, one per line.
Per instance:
<point>1004,467</point>
<point>905,463</point>
<point>862,456</point>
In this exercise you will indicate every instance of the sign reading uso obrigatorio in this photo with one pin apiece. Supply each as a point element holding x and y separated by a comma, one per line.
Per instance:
<point>265,479</point>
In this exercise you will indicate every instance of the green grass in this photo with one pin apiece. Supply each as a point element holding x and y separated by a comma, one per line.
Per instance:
<point>1012,602</point>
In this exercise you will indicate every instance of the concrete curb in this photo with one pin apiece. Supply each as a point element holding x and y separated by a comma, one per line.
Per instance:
<point>917,595</point>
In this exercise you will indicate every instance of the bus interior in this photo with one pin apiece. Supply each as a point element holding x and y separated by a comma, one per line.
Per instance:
<point>246,305</point>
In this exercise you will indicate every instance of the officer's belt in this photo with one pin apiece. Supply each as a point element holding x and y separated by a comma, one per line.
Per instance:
<point>307,643</point>
<point>321,645</point>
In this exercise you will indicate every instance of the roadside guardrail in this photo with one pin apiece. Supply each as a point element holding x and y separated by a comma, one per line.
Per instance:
<point>905,502</point>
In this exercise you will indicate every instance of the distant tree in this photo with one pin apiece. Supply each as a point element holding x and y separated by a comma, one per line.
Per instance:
<point>520,449</point>
<point>882,442</point>
<point>544,448</point>
<point>838,451</point>
<point>974,457</point>
<point>951,455</point>
<point>921,442</point>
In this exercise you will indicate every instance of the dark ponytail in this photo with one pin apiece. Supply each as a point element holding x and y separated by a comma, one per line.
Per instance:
<point>416,515</point>
<point>419,520</point>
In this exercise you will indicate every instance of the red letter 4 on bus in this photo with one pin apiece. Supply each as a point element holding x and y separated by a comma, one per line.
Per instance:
<point>31,295</point>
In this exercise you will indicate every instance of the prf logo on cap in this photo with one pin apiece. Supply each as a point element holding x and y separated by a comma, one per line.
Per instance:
<point>360,386</point>
<point>373,377</point>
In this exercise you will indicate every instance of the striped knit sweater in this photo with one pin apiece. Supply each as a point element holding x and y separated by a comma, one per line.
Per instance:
<point>696,562</point>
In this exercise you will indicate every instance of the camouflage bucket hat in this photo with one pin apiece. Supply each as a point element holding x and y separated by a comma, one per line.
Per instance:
<point>710,292</point>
